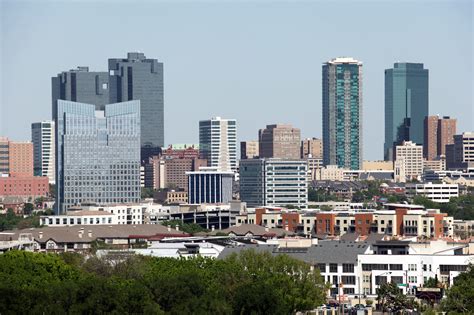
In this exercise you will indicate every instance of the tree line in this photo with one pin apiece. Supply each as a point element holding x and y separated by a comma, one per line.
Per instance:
<point>247,283</point>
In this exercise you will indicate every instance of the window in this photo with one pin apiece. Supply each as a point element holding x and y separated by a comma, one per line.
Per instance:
<point>348,290</point>
<point>348,268</point>
<point>322,268</point>
<point>397,279</point>
<point>334,280</point>
<point>411,267</point>
<point>366,278</point>
<point>370,267</point>
<point>412,279</point>
<point>396,267</point>
<point>380,280</point>
<point>332,267</point>
<point>348,279</point>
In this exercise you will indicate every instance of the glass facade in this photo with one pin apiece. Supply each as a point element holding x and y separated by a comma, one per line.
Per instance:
<point>138,78</point>
<point>210,187</point>
<point>406,105</point>
<point>98,154</point>
<point>342,113</point>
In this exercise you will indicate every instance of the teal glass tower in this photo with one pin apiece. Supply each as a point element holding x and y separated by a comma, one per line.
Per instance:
<point>342,113</point>
<point>406,105</point>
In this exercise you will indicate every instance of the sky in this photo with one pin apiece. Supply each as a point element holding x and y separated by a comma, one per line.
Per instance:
<point>256,61</point>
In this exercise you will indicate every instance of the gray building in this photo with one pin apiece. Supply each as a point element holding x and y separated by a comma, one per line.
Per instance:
<point>139,78</point>
<point>98,154</point>
<point>42,136</point>
<point>80,85</point>
<point>406,105</point>
<point>209,186</point>
<point>342,113</point>
<point>218,143</point>
<point>274,182</point>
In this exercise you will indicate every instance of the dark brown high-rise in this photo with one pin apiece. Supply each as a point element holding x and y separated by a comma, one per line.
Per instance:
<point>438,132</point>
<point>279,141</point>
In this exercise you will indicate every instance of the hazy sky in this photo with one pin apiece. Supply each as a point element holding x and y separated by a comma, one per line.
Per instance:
<point>256,61</point>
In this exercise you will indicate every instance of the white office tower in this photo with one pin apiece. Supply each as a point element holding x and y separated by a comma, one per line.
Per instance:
<point>218,143</point>
<point>42,136</point>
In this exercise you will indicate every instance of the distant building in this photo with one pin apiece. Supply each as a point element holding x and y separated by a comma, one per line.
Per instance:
<point>412,155</point>
<point>438,164</point>
<point>438,132</point>
<point>331,172</point>
<point>186,152</point>
<point>218,143</point>
<point>274,182</point>
<point>314,167</point>
<point>406,105</point>
<point>25,186</point>
<point>16,158</point>
<point>98,154</point>
<point>460,154</point>
<point>139,78</point>
<point>167,172</point>
<point>249,150</point>
<point>440,193</point>
<point>81,86</point>
<point>342,113</point>
<point>377,166</point>
<point>312,147</point>
<point>42,136</point>
<point>279,141</point>
<point>210,186</point>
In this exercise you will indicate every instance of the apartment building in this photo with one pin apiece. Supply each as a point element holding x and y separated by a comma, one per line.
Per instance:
<point>411,155</point>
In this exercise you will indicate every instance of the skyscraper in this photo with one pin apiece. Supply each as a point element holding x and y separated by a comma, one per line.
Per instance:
<point>279,141</point>
<point>342,113</point>
<point>218,143</point>
<point>98,154</point>
<point>42,136</point>
<point>406,105</point>
<point>138,78</point>
<point>248,150</point>
<point>312,147</point>
<point>80,85</point>
<point>438,132</point>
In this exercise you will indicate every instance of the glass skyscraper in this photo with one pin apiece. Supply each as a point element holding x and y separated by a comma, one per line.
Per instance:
<point>138,78</point>
<point>342,113</point>
<point>406,105</point>
<point>98,154</point>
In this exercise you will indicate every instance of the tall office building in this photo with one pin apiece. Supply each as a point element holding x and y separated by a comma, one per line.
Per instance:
<point>460,154</point>
<point>279,141</point>
<point>16,158</point>
<point>80,85</point>
<point>342,113</point>
<point>248,149</point>
<point>98,154</point>
<point>218,143</point>
<point>411,156</point>
<point>138,78</point>
<point>274,182</point>
<point>438,132</point>
<point>42,136</point>
<point>312,147</point>
<point>406,105</point>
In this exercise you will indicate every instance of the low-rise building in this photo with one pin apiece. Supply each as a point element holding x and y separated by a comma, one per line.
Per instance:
<point>440,193</point>
<point>27,187</point>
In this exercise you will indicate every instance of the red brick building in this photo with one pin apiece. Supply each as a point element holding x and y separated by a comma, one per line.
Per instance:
<point>24,186</point>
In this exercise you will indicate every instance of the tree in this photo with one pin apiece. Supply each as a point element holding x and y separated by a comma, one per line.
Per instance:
<point>28,208</point>
<point>460,297</point>
<point>191,228</point>
<point>147,192</point>
<point>389,296</point>
<point>432,282</point>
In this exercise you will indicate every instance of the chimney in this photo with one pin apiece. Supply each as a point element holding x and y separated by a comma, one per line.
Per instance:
<point>212,228</point>
<point>267,229</point>
<point>169,228</point>
<point>89,233</point>
<point>80,233</point>
<point>177,227</point>
<point>40,235</point>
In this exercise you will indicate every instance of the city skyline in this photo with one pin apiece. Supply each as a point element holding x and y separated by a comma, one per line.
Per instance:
<point>230,71</point>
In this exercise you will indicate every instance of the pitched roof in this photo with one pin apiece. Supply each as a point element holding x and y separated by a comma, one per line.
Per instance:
<point>325,252</point>
<point>256,230</point>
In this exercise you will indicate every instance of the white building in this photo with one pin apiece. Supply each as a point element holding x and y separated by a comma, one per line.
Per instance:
<point>218,143</point>
<point>412,155</point>
<point>42,136</point>
<point>274,182</point>
<point>331,172</point>
<point>314,166</point>
<point>440,193</point>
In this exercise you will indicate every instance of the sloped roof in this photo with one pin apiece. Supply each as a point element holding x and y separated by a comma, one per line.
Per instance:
<point>325,252</point>
<point>254,229</point>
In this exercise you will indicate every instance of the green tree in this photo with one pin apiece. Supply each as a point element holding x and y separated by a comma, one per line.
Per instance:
<point>390,297</point>
<point>147,192</point>
<point>460,297</point>
<point>432,282</point>
<point>191,228</point>
<point>28,208</point>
